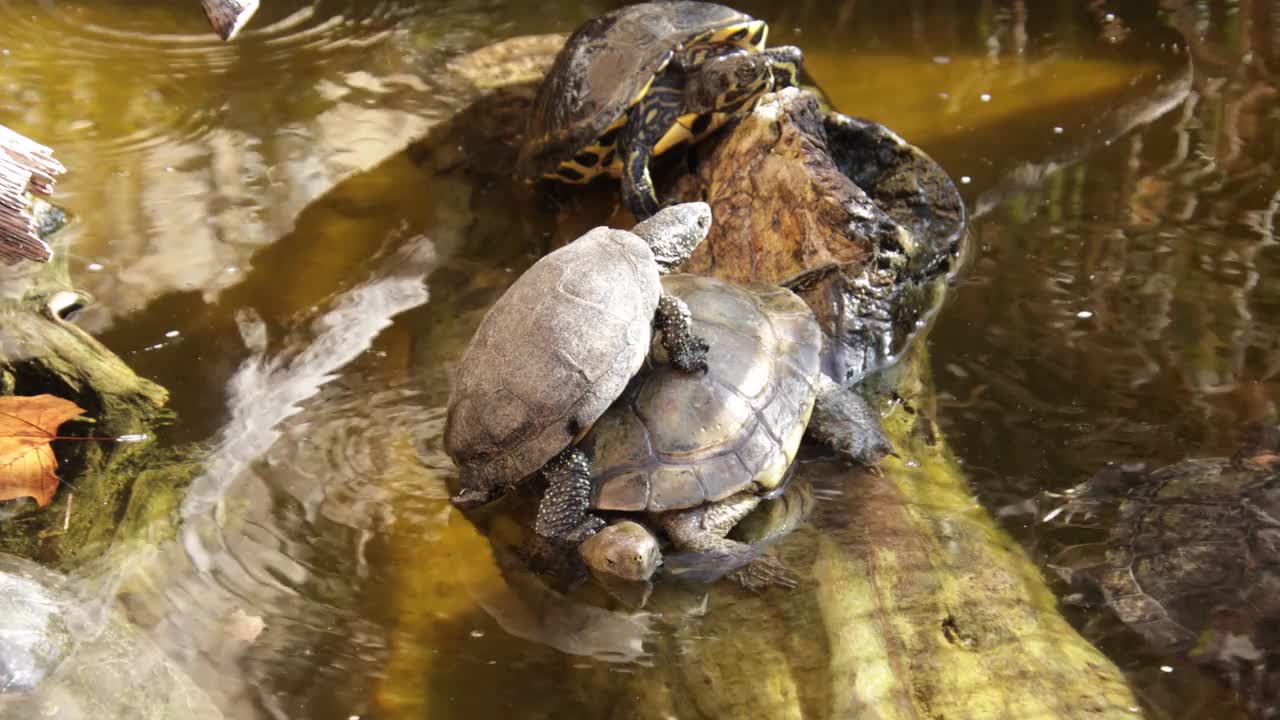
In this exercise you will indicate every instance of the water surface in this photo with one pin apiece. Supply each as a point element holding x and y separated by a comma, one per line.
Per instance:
<point>1113,305</point>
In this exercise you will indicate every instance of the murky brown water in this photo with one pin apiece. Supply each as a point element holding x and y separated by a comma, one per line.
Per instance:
<point>1115,303</point>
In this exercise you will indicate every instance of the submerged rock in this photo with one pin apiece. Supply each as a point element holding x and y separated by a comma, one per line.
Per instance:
<point>63,658</point>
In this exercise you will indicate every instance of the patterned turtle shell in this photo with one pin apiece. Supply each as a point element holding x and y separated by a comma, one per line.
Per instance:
<point>605,67</point>
<point>676,440</point>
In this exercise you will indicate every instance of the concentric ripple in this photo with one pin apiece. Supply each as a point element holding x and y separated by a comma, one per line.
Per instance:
<point>128,77</point>
<point>288,554</point>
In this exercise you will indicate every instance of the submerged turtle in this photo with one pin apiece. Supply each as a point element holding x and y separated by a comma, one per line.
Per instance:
<point>556,350</point>
<point>637,81</point>
<point>1189,558</point>
<point>697,453</point>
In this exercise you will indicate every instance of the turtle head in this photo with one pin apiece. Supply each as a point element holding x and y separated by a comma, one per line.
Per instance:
<point>727,82</point>
<point>624,550</point>
<point>673,232</point>
<point>785,61</point>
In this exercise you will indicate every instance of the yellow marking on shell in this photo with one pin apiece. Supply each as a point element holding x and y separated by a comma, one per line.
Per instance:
<point>722,35</point>
<point>589,173</point>
<point>688,120</point>
<point>639,96</point>
<point>772,474</point>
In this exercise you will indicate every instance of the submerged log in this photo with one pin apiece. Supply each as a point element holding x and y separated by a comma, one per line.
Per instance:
<point>228,16</point>
<point>27,169</point>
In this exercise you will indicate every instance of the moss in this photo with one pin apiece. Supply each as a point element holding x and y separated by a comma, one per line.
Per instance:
<point>129,493</point>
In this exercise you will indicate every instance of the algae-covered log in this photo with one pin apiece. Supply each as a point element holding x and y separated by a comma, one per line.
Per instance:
<point>41,351</point>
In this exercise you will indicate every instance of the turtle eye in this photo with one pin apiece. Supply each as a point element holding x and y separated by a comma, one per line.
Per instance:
<point>609,562</point>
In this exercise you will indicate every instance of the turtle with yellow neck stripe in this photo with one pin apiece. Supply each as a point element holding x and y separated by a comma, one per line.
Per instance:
<point>639,81</point>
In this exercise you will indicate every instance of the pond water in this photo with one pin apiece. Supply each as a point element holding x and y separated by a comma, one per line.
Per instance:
<point>1115,303</point>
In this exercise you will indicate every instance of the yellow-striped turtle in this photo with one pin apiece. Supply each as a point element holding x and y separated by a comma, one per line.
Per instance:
<point>698,452</point>
<point>637,81</point>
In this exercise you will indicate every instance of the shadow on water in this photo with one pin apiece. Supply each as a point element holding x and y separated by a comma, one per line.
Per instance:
<point>1115,305</point>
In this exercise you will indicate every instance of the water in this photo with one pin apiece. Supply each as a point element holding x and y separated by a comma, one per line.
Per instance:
<point>1114,304</point>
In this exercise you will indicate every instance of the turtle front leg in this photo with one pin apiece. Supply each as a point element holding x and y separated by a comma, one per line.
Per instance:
<point>844,421</point>
<point>687,351</point>
<point>647,122</point>
<point>563,513</point>
<point>703,529</point>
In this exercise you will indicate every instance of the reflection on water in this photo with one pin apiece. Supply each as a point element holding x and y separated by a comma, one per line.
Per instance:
<point>1116,305</point>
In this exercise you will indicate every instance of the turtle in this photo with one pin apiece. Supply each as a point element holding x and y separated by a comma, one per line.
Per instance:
<point>556,350</point>
<point>626,551</point>
<point>640,80</point>
<point>695,453</point>
<point>1187,556</point>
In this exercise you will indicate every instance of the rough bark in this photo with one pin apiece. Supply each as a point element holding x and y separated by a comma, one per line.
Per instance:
<point>228,17</point>
<point>27,169</point>
<point>841,210</point>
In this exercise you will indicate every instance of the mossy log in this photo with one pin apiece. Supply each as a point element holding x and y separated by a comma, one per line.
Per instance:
<point>42,351</point>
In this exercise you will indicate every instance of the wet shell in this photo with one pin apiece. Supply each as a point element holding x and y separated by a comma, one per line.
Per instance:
<point>676,440</point>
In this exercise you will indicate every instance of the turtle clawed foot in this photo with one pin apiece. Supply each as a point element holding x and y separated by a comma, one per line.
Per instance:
<point>685,350</point>
<point>471,499</point>
<point>691,355</point>
<point>764,572</point>
<point>563,513</point>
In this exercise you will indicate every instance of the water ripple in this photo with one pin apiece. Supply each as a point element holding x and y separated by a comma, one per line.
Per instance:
<point>152,77</point>
<point>172,37</point>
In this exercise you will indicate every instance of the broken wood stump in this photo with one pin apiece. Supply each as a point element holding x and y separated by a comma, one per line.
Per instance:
<point>228,17</point>
<point>27,171</point>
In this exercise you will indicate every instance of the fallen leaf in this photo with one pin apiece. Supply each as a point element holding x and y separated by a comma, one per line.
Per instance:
<point>27,425</point>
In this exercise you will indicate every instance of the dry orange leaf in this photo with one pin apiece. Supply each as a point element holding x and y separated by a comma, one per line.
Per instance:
<point>27,425</point>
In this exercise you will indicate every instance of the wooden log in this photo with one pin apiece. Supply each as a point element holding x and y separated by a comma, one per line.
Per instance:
<point>228,16</point>
<point>41,352</point>
<point>27,169</point>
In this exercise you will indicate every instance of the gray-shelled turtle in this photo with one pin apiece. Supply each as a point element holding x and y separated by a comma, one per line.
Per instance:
<point>556,350</point>
<point>642,79</point>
